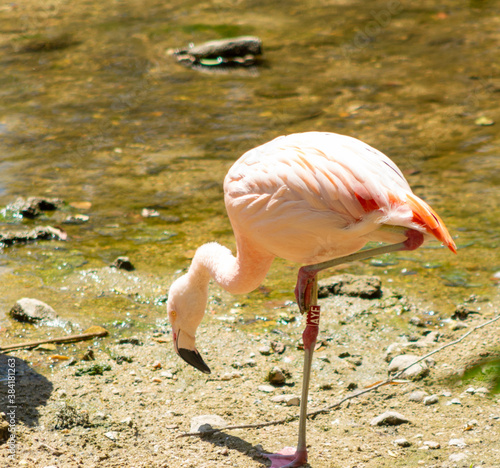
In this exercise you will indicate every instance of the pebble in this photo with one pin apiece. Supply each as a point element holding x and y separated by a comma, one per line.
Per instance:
<point>157,365</point>
<point>457,442</point>
<point>417,396</point>
<point>111,435</point>
<point>123,263</point>
<point>458,326</point>
<point>276,376</point>
<point>455,401</point>
<point>266,388</point>
<point>415,372</point>
<point>402,442</point>
<point>431,400</point>
<point>206,422</point>
<point>457,457</point>
<point>265,350</point>
<point>389,418</point>
<point>289,400</point>
<point>432,445</point>
<point>482,390</point>
<point>230,376</point>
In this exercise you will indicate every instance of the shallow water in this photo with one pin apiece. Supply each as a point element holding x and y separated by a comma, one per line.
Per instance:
<point>94,109</point>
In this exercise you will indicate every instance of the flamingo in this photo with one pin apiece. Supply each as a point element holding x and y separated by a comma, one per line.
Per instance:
<point>312,198</point>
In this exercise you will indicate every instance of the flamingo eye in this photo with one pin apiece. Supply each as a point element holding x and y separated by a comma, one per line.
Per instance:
<point>173,314</point>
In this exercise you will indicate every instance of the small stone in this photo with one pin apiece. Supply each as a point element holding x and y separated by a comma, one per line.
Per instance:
<point>389,418</point>
<point>266,388</point>
<point>402,442</point>
<point>454,401</point>
<point>76,219</point>
<point>265,350</point>
<point>417,321</point>
<point>454,326</point>
<point>457,457</point>
<point>167,374</point>
<point>432,445</point>
<point>431,400</point>
<point>470,390</point>
<point>230,376</point>
<point>131,340</point>
<point>123,263</point>
<point>446,393</point>
<point>32,311</point>
<point>415,372</point>
<point>206,423</point>
<point>289,400</point>
<point>276,376</point>
<point>417,396</point>
<point>482,390</point>
<point>157,365</point>
<point>149,213</point>
<point>278,347</point>
<point>111,435</point>
<point>128,421</point>
<point>484,121</point>
<point>457,443</point>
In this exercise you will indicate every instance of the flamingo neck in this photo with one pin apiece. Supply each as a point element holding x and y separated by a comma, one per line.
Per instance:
<point>237,275</point>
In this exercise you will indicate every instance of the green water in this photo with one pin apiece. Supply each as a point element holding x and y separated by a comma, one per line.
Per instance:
<point>92,108</point>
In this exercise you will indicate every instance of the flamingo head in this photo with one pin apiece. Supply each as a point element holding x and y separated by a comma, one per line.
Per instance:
<point>186,308</point>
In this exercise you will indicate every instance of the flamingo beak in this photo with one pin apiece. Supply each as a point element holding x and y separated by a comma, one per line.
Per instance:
<point>191,356</point>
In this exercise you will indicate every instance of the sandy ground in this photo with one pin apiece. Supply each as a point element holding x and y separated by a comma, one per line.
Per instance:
<point>133,414</point>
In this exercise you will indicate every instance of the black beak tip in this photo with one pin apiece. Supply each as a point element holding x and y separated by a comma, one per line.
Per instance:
<point>194,359</point>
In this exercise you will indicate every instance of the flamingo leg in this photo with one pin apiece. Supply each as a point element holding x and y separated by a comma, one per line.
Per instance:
<point>289,457</point>
<point>307,274</point>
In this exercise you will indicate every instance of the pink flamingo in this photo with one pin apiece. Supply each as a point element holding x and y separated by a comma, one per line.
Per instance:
<point>308,198</point>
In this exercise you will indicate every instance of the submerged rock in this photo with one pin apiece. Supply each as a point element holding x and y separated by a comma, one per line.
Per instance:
<point>33,206</point>
<point>123,263</point>
<point>237,52</point>
<point>32,311</point>
<point>366,287</point>
<point>38,233</point>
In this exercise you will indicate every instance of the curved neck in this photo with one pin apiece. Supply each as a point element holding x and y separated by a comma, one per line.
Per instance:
<point>237,275</point>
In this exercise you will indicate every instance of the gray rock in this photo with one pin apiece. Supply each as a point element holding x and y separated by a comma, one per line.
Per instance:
<point>415,372</point>
<point>32,311</point>
<point>417,396</point>
<point>206,422</point>
<point>276,376</point>
<point>431,400</point>
<point>457,457</point>
<point>367,287</point>
<point>402,442</point>
<point>457,443</point>
<point>229,48</point>
<point>389,418</point>
<point>265,350</point>
<point>432,445</point>
<point>289,400</point>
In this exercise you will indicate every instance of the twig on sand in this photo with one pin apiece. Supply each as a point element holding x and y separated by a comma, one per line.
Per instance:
<point>390,381</point>
<point>65,339</point>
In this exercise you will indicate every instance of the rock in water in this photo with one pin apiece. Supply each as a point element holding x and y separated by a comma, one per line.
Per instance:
<point>32,311</point>
<point>236,51</point>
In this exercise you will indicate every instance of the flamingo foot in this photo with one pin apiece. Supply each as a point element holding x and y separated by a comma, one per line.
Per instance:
<point>288,457</point>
